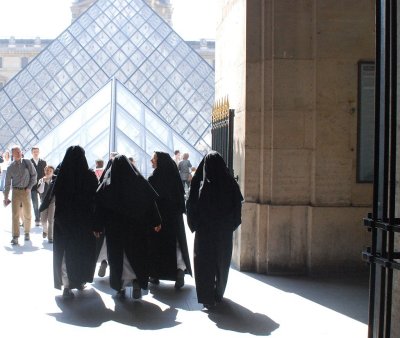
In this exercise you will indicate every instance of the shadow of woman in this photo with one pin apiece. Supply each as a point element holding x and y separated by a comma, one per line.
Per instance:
<point>144,315</point>
<point>179,299</point>
<point>231,316</point>
<point>86,309</point>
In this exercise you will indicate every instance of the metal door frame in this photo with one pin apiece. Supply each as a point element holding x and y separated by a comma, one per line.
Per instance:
<point>382,223</point>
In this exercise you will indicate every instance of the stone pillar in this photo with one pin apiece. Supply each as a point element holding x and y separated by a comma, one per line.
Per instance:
<point>289,69</point>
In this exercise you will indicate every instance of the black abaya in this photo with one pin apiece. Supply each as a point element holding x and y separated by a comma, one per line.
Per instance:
<point>213,212</point>
<point>74,190</point>
<point>126,212</point>
<point>171,203</point>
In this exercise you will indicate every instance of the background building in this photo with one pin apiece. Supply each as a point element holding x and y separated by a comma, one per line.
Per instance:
<point>15,55</point>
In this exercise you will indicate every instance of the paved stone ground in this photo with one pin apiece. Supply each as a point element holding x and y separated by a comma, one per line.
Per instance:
<point>255,305</point>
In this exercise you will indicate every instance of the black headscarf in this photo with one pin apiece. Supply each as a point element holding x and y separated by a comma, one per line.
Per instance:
<point>124,190</point>
<point>167,182</point>
<point>71,175</point>
<point>214,194</point>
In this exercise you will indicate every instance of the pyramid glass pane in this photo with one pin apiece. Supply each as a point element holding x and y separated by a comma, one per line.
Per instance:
<point>114,119</point>
<point>125,40</point>
<point>88,126</point>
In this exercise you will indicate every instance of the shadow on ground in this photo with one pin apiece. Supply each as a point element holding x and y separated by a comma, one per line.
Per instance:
<point>87,309</point>
<point>231,316</point>
<point>346,294</point>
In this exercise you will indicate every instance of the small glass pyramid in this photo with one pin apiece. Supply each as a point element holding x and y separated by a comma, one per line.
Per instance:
<point>115,120</point>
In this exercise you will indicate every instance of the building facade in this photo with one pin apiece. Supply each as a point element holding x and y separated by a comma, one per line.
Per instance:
<point>15,55</point>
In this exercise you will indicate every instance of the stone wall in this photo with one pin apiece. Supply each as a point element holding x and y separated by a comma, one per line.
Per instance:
<point>290,72</point>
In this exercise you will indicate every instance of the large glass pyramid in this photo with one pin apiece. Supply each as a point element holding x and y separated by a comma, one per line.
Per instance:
<point>122,39</point>
<point>115,120</point>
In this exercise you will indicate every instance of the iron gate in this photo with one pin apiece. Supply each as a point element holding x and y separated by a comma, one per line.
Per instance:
<point>222,131</point>
<point>382,222</point>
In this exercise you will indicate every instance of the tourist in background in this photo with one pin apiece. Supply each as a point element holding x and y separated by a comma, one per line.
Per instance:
<point>21,177</point>
<point>185,167</point>
<point>177,157</point>
<point>47,214</point>
<point>39,165</point>
<point>3,168</point>
<point>99,163</point>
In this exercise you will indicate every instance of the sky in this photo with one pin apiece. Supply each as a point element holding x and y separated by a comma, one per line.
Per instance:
<point>48,18</point>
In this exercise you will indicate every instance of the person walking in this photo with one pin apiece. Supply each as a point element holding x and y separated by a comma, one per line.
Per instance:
<point>168,248</point>
<point>39,165</point>
<point>47,214</point>
<point>99,168</point>
<point>213,213</point>
<point>185,167</point>
<point>74,248</point>
<point>177,157</point>
<point>126,212</point>
<point>3,168</point>
<point>21,177</point>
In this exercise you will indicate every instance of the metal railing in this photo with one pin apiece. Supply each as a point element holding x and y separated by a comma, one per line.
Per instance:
<point>222,123</point>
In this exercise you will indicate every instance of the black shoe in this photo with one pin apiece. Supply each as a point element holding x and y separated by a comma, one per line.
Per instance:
<point>81,287</point>
<point>50,241</point>
<point>68,294</point>
<point>137,291</point>
<point>180,279</point>
<point>218,299</point>
<point>44,234</point>
<point>209,306</point>
<point>120,294</point>
<point>103,268</point>
<point>27,237</point>
<point>154,281</point>
<point>14,241</point>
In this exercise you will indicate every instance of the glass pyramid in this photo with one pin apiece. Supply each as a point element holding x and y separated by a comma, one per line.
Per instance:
<point>115,120</point>
<point>122,39</point>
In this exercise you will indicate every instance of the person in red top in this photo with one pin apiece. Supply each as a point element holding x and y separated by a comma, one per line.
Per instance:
<point>99,168</point>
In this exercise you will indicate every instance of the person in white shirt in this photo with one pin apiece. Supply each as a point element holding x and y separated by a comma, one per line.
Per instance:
<point>3,168</point>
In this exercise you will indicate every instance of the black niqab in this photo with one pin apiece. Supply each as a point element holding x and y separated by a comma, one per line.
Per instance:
<point>167,182</point>
<point>214,197</point>
<point>70,178</point>
<point>124,190</point>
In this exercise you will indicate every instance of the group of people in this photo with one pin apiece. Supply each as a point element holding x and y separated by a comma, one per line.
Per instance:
<point>141,223</point>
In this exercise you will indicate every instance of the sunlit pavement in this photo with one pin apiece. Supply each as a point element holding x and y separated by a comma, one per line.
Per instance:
<point>253,305</point>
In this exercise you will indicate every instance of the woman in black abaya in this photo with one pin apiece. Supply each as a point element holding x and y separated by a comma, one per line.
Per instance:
<point>213,212</point>
<point>74,246</point>
<point>168,248</point>
<point>126,212</point>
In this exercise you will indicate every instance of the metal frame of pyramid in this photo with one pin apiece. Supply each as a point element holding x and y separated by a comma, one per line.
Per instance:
<point>114,119</point>
<point>124,39</point>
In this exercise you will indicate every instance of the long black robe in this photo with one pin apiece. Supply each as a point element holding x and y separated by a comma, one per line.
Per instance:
<point>171,203</point>
<point>126,212</point>
<point>214,213</point>
<point>74,190</point>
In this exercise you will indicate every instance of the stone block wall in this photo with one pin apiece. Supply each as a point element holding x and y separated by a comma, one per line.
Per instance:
<point>289,69</point>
